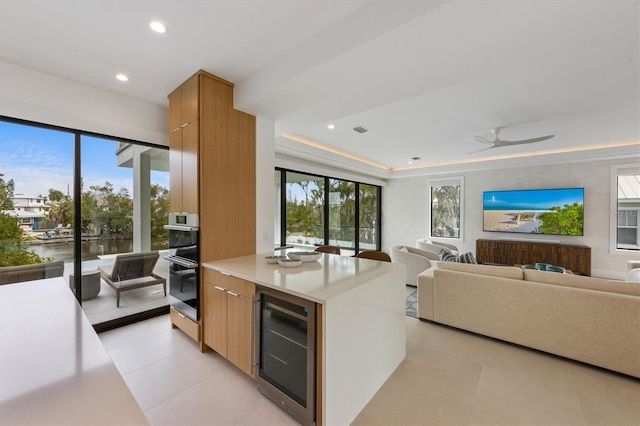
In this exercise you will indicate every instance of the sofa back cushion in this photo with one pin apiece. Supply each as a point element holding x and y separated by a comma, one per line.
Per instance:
<point>496,271</point>
<point>580,281</point>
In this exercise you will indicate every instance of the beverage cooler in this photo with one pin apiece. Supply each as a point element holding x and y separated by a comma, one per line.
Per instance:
<point>286,352</point>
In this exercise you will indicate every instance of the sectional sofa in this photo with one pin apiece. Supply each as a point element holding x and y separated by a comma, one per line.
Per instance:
<point>587,319</point>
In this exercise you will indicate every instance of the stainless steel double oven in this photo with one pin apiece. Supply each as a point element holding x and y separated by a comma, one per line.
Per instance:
<point>184,260</point>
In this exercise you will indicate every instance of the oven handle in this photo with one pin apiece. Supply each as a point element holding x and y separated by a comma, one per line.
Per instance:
<point>183,263</point>
<point>181,228</point>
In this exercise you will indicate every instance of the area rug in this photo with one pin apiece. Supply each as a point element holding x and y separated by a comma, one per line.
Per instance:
<point>412,304</point>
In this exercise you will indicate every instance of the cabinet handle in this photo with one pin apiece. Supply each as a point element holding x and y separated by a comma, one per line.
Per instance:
<point>184,124</point>
<point>226,274</point>
<point>232,293</point>
<point>254,364</point>
<point>176,129</point>
<point>219,288</point>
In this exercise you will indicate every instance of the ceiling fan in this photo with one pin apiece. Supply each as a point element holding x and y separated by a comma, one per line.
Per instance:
<point>498,143</point>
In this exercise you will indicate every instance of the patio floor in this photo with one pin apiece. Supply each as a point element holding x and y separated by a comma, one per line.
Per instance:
<point>103,307</point>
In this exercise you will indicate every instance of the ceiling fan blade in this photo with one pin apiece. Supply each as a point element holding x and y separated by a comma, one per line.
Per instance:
<point>482,140</point>
<point>524,141</point>
<point>483,149</point>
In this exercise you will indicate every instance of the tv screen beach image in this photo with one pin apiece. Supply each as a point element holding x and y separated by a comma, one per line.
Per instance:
<point>539,211</point>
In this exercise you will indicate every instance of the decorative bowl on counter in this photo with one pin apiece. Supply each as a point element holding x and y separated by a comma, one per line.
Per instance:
<point>304,256</point>
<point>289,263</point>
<point>274,259</point>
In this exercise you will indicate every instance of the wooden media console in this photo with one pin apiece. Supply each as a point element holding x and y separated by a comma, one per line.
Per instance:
<point>511,252</point>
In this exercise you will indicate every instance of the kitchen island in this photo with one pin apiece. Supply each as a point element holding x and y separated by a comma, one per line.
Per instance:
<point>361,335</point>
<point>53,366</point>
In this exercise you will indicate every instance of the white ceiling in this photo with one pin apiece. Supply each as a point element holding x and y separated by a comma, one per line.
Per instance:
<point>424,76</point>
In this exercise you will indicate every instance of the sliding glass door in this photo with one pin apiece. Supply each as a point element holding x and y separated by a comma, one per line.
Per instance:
<point>317,210</point>
<point>84,198</point>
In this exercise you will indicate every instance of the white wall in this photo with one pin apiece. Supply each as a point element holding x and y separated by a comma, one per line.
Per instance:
<point>43,98</point>
<point>404,206</point>
<point>265,165</point>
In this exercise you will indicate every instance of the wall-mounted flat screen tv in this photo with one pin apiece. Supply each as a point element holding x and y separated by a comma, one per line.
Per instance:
<point>535,211</point>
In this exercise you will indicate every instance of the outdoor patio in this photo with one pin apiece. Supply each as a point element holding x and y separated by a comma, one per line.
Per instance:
<point>103,307</point>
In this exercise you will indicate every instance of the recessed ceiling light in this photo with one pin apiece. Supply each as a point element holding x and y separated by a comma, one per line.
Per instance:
<point>158,27</point>
<point>331,127</point>
<point>122,77</point>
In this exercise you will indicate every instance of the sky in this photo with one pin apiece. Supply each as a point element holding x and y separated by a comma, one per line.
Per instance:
<point>40,159</point>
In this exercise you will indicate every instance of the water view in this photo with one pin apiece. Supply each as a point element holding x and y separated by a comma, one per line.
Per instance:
<point>91,250</point>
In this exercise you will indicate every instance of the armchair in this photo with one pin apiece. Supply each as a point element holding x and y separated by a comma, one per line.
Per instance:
<point>436,246</point>
<point>415,260</point>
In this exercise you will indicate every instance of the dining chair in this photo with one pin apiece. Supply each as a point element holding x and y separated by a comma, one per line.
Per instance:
<point>328,249</point>
<point>375,255</point>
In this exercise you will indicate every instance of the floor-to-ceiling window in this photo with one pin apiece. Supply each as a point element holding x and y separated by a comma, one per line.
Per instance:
<point>88,198</point>
<point>342,213</point>
<point>369,217</point>
<point>304,209</point>
<point>319,210</point>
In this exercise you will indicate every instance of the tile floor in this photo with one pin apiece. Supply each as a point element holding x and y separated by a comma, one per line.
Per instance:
<point>449,377</point>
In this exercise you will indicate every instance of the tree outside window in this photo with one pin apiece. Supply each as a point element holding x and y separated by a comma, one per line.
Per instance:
<point>446,210</point>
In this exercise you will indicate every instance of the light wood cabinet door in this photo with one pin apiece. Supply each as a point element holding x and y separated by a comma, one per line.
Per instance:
<point>175,171</point>
<point>183,168</point>
<point>240,331</point>
<point>184,103</point>
<point>215,318</point>
<point>190,143</point>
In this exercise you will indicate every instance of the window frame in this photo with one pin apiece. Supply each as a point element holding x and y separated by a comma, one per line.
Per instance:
<point>616,171</point>
<point>449,181</point>
<point>283,226</point>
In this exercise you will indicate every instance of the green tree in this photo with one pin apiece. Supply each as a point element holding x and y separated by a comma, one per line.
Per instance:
<point>6,193</point>
<point>567,220</point>
<point>368,213</point>
<point>160,198</point>
<point>113,212</point>
<point>13,245</point>
<point>445,211</point>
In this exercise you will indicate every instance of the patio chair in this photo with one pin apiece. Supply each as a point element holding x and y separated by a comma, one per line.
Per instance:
<point>131,271</point>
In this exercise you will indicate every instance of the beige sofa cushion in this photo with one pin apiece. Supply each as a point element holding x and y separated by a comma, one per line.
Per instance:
<point>425,281</point>
<point>595,327</point>
<point>580,281</point>
<point>496,271</point>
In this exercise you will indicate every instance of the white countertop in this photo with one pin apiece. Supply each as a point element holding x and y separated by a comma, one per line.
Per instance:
<point>53,367</point>
<point>319,281</point>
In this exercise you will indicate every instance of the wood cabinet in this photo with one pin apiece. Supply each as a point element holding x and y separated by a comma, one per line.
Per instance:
<point>213,165</point>
<point>505,252</point>
<point>188,326</point>
<point>183,165</point>
<point>229,318</point>
<point>213,173</point>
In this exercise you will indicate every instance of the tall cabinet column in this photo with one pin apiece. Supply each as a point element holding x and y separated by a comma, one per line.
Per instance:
<point>213,170</point>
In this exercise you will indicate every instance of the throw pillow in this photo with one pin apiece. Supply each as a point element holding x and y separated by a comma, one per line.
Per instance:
<point>404,250</point>
<point>461,258</point>
<point>444,250</point>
